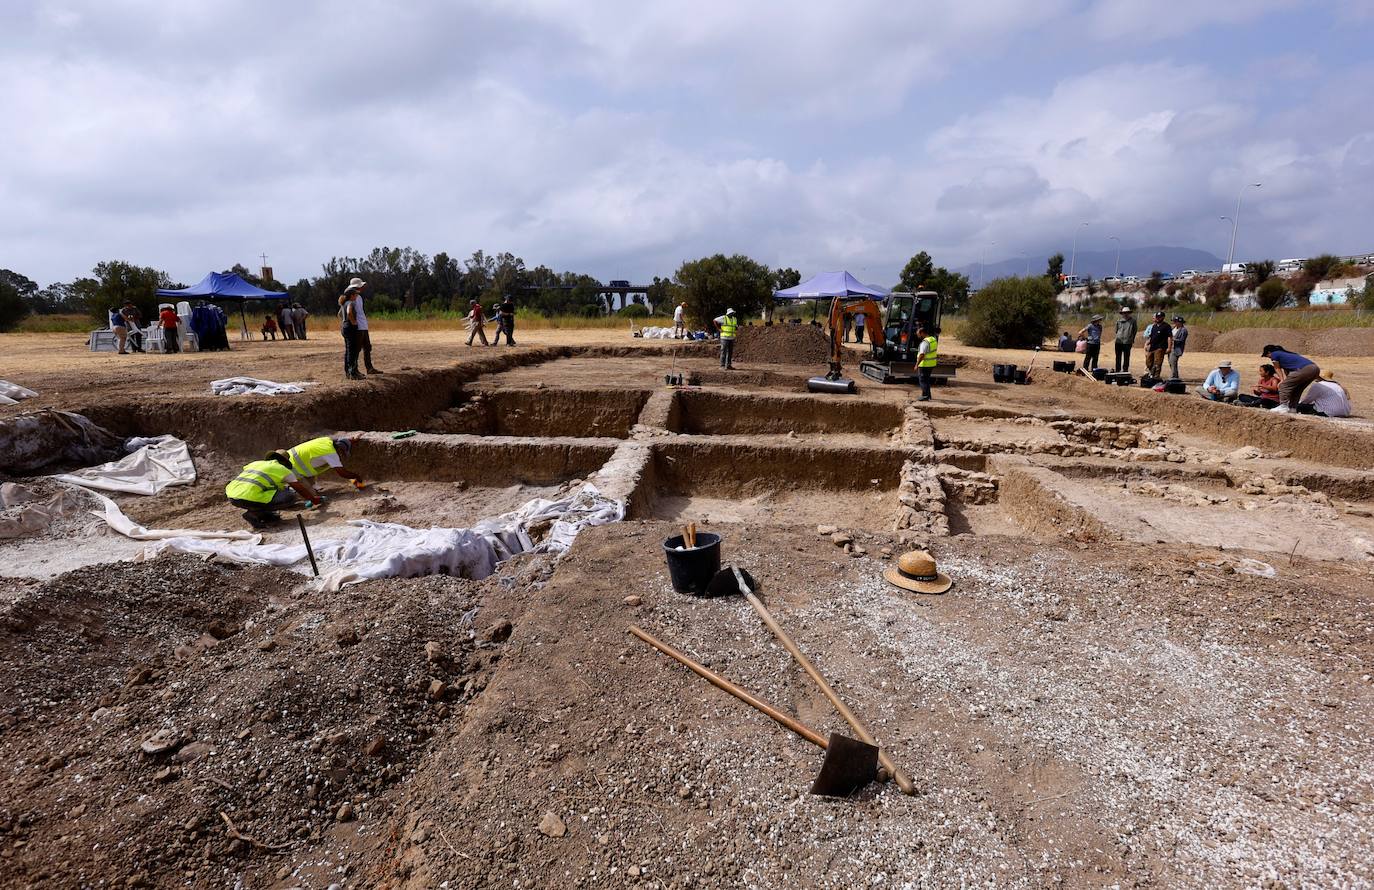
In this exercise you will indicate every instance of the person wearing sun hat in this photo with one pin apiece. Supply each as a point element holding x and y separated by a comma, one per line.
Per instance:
<point>1222,385</point>
<point>1125,338</point>
<point>1092,332</point>
<point>1326,396</point>
<point>916,571</point>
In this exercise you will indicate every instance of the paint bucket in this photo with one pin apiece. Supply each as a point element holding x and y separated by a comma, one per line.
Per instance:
<point>692,569</point>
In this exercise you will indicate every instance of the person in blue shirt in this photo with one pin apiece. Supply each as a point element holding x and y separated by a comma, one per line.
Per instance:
<point>120,328</point>
<point>1222,385</point>
<point>1296,373</point>
<point>1092,332</point>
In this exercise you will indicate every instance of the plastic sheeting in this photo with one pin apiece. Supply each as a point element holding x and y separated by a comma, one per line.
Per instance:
<point>34,440</point>
<point>25,511</point>
<point>155,464</point>
<point>237,386</point>
<point>13,393</point>
<point>392,550</point>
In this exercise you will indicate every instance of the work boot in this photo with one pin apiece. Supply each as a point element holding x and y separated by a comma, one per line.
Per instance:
<point>372,370</point>
<point>356,376</point>
<point>924,399</point>
<point>261,520</point>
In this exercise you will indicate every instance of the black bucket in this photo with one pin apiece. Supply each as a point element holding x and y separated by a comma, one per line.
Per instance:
<point>1019,377</point>
<point>691,570</point>
<point>1099,373</point>
<point>997,371</point>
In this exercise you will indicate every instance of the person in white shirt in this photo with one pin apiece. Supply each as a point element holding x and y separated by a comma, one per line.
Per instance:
<point>1222,385</point>
<point>680,321</point>
<point>364,339</point>
<point>1327,396</point>
<point>858,327</point>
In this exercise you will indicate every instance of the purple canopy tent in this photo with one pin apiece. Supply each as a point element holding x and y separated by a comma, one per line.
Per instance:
<point>828,285</point>
<point>226,286</point>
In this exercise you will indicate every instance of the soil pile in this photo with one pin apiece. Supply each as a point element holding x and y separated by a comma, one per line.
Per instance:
<point>1329,342</point>
<point>783,344</point>
<point>1200,339</point>
<point>191,719</point>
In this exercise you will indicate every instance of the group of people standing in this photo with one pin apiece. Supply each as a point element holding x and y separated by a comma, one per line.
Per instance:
<point>289,321</point>
<point>503,314</point>
<point>1162,340</point>
<point>126,322</point>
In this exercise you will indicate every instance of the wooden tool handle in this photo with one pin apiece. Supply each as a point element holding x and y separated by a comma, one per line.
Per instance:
<point>903,781</point>
<point>720,682</point>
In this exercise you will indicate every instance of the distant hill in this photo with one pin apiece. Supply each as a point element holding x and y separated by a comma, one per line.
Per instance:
<point>1101,263</point>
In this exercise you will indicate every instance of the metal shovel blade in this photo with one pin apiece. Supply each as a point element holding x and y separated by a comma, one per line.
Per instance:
<point>848,766</point>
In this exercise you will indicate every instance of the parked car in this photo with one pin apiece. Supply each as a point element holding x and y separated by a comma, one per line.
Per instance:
<point>1188,274</point>
<point>1235,268</point>
<point>1289,265</point>
<point>1112,279</point>
<point>1132,279</point>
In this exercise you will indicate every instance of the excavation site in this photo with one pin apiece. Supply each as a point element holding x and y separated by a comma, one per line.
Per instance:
<point>1151,666</point>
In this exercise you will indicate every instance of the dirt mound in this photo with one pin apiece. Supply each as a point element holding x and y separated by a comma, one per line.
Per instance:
<point>190,719</point>
<point>1341,342</point>
<point>1201,339</point>
<point>783,344</point>
<point>1249,341</point>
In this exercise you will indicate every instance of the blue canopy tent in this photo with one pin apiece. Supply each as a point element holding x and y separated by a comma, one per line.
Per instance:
<point>220,286</point>
<point>828,285</point>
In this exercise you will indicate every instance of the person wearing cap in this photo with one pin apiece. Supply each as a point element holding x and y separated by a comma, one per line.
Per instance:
<point>927,357</point>
<point>477,323</point>
<point>916,571</point>
<point>1178,341</point>
<point>1092,332</point>
<point>264,486</point>
<point>1327,397</point>
<point>1296,373</point>
<point>315,457</point>
<point>1125,338</point>
<point>1222,385</point>
<point>1157,345</point>
<point>727,324</point>
<point>349,307</point>
<point>680,321</point>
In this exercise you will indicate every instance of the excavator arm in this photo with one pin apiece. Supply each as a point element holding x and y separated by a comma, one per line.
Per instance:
<point>839,311</point>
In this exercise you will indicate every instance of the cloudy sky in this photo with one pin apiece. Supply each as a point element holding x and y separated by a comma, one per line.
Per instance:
<point>619,138</point>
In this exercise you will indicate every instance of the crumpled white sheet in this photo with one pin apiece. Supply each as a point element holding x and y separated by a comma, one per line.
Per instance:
<point>391,550</point>
<point>650,332</point>
<point>115,518</point>
<point>13,393</point>
<point>237,386</point>
<point>155,464</point>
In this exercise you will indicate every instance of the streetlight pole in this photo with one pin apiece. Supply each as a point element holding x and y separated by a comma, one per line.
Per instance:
<point>1073,257</point>
<point>981,255</point>
<point>1233,237</point>
<point>1235,224</point>
<point>1026,257</point>
<point>1117,273</point>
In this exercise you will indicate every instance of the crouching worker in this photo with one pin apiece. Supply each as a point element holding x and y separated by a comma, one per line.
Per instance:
<point>264,487</point>
<point>309,460</point>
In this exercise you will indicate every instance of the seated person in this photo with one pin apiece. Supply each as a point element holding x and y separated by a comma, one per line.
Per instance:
<point>1326,396</point>
<point>1066,343</point>
<point>1222,385</point>
<point>1267,389</point>
<point>269,326</point>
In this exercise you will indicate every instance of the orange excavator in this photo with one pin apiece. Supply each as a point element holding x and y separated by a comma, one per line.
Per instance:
<point>834,379</point>
<point>892,329</point>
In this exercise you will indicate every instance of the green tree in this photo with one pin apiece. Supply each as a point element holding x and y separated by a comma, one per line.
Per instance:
<point>1319,268</point>
<point>1271,293</point>
<point>1012,313</point>
<point>916,274</point>
<point>663,293</point>
<point>712,284</point>
<point>116,281</point>
<point>58,297</point>
<point>1261,270</point>
<point>13,308</point>
<point>1054,271</point>
<point>784,278</point>
<point>951,286</point>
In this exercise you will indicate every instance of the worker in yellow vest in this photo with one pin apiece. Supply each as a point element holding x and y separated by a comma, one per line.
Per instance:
<point>927,356</point>
<point>317,456</point>
<point>727,324</point>
<point>265,486</point>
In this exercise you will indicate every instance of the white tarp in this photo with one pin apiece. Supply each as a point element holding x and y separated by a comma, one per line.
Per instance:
<point>116,519</point>
<point>13,393</point>
<point>391,550</point>
<point>650,332</point>
<point>237,386</point>
<point>154,464</point>
<point>24,511</point>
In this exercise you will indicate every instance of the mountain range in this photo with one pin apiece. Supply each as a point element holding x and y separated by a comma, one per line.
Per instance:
<point>1099,264</point>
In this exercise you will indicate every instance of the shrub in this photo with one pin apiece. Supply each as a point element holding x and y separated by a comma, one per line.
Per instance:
<point>1320,267</point>
<point>1261,270</point>
<point>1300,287</point>
<point>634,310</point>
<point>1271,294</point>
<point>712,284</point>
<point>1171,288</point>
<point>13,309</point>
<point>1012,313</point>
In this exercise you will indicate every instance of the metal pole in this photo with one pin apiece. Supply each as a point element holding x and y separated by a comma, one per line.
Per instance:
<point>1117,273</point>
<point>1235,224</point>
<point>308,549</point>
<point>1073,258</point>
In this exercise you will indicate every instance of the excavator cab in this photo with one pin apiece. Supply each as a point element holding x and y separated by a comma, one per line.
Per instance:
<point>894,361</point>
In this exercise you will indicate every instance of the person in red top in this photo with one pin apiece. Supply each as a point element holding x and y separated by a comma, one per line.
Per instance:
<point>476,324</point>
<point>171,335</point>
<point>1268,387</point>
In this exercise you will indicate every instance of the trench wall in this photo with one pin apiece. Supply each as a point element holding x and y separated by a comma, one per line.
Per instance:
<point>729,414</point>
<point>490,461</point>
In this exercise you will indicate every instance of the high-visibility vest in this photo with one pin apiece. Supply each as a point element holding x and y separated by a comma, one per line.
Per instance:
<point>930,359</point>
<point>727,327</point>
<point>303,456</point>
<point>258,482</point>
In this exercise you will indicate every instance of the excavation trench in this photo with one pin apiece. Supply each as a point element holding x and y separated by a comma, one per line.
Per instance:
<point>542,412</point>
<point>706,412</point>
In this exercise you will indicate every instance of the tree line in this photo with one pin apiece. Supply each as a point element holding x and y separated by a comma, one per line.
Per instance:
<point>404,278</point>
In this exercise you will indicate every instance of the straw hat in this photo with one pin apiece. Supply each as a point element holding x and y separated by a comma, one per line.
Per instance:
<point>915,571</point>
<point>1328,374</point>
<point>1224,363</point>
<point>357,284</point>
